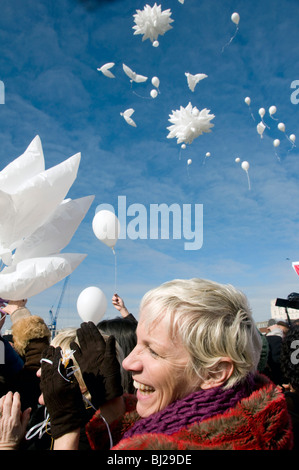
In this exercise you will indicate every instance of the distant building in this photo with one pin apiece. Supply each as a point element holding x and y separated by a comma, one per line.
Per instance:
<point>279,313</point>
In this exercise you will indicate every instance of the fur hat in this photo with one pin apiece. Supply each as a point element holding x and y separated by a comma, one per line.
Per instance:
<point>27,329</point>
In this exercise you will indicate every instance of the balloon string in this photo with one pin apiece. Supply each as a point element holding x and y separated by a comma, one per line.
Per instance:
<point>231,39</point>
<point>143,97</point>
<point>249,187</point>
<point>103,419</point>
<point>188,171</point>
<point>251,114</point>
<point>265,124</point>
<point>278,157</point>
<point>293,145</point>
<point>115,270</point>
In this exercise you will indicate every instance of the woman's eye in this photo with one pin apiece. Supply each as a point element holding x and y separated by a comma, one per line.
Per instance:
<point>153,353</point>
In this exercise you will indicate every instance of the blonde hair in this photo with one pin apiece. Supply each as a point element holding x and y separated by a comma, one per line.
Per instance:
<point>212,321</point>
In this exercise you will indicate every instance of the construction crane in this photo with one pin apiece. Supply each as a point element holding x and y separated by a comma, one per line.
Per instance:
<point>52,326</point>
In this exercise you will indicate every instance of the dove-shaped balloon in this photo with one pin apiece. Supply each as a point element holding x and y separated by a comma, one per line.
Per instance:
<point>105,69</point>
<point>133,75</point>
<point>193,80</point>
<point>127,116</point>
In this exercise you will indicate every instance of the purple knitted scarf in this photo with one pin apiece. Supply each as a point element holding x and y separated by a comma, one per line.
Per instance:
<point>195,407</point>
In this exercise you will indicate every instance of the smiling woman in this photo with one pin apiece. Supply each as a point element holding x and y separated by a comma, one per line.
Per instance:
<point>194,368</point>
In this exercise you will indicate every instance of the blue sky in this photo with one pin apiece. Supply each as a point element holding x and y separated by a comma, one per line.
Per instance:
<point>48,63</point>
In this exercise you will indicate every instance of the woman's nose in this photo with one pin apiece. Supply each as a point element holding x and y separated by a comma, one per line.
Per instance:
<point>132,362</point>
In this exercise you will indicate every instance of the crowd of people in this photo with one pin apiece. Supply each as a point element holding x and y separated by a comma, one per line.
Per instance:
<point>193,373</point>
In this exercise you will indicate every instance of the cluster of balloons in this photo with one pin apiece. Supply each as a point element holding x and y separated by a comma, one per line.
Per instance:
<point>134,77</point>
<point>150,23</point>
<point>37,222</point>
<point>261,126</point>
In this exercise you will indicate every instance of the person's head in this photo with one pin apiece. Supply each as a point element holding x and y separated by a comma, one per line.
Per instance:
<point>289,356</point>
<point>124,332</point>
<point>192,334</point>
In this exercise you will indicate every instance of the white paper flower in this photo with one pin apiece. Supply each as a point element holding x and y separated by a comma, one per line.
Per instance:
<point>152,21</point>
<point>189,123</point>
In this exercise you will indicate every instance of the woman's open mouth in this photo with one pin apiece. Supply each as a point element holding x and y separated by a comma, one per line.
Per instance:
<point>142,388</point>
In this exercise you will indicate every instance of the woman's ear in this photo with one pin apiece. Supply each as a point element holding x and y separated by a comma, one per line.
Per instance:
<point>222,372</point>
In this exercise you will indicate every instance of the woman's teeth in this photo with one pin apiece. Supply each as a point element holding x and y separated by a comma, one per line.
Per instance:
<point>143,388</point>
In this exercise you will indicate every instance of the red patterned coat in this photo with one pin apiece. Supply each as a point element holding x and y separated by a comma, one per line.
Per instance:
<point>259,422</point>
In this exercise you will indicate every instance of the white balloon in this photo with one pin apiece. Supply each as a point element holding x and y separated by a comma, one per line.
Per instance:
<point>154,93</point>
<point>105,69</point>
<point>262,112</point>
<point>260,128</point>
<point>127,117</point>
<point>272,110</point>
<point>292,137</point>
<point>156,43</point>
<point>245,166</point>
<point>281,127</point>
<point>189,161</point>
<point>34,275</point>
<point>106,227</point>
<point>237,160</point>
<point>183,146</point>
<point>133,75</point>
<point>155,82</point>
<point>193,80</point>
<point>276,143</point>
<point>235,18</point>
<point>91,304</point>
<point>208,154</point>
<point>247,100</point>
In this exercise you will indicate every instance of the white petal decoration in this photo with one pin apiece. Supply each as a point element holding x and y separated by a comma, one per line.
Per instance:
<point>56,232</point>
<point>152,22</point>
<point>27,165</point>
<point>34,275</point>
<point>28,208</point>
<point>189,123</point>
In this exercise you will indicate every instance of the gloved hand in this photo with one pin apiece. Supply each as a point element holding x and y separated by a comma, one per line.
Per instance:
<point>62,395</point>
<point>98,363</point>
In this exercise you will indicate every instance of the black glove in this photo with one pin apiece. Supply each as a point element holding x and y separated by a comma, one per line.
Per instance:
<point>98,363</point>
<point>62,395</point>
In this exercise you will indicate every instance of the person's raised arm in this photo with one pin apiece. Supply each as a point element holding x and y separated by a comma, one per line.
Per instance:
<point>120,305</point>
